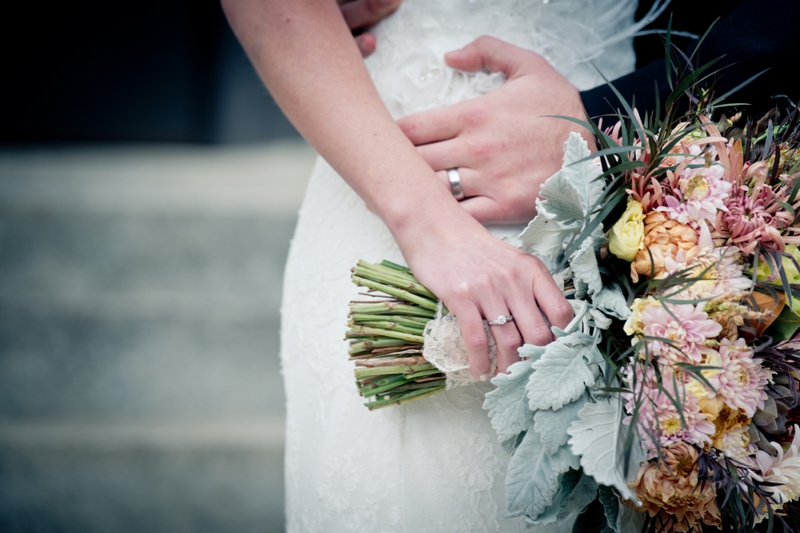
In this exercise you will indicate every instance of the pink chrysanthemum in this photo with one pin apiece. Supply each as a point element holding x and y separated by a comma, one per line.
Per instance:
<point>741,380</point>
<point>659,417</point>
<point>699,195</point>
<point>755,217</point>
<point>715,272</point>
<point>686,326</point>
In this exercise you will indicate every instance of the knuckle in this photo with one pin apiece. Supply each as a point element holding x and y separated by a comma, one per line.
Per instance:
<point>475,114</point>
<point>563,312</point>
<point>540,334</point>
<point>481,148</point>
<point>485,40</point>
<point>476,340</point>
<point>510,340</point>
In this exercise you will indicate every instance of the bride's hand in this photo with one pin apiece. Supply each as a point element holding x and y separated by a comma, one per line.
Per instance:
<point>478,276</point>
<point>505,143</point>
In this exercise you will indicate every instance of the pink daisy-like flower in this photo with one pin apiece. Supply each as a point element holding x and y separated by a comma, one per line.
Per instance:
<point>660,418</point>
<point>687,327</point>
<point>715,272</point>
<point>741,380</point>
<point>699,195</point>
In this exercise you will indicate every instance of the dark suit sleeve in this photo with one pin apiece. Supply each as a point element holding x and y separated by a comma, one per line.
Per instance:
<point>756,35</point>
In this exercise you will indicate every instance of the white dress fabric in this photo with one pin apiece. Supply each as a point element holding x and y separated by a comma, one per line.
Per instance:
<point>433,465</point>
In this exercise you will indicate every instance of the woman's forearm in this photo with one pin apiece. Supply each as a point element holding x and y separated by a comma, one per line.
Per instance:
<point>304,52</point>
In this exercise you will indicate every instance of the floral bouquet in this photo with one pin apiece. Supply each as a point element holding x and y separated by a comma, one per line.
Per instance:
<point>670,402</point>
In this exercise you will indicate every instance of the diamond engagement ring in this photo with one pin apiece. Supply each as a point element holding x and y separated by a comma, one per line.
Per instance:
<point>502,319</point>
<point>455,183</point>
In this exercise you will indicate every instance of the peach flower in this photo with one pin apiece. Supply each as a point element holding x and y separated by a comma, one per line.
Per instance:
<point>670,489</point>
<point>663,237</point>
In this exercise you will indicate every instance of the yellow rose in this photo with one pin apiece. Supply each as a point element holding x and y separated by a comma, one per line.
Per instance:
<point>627,234</point>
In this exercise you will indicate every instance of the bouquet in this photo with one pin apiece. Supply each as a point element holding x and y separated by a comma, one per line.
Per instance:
<point>670,402</point>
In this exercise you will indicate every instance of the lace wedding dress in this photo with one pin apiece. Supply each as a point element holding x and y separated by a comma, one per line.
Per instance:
<point>436,464</point>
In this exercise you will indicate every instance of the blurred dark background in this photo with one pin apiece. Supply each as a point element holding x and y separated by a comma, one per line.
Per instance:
<point>154,71</point>
<point>148,192</point>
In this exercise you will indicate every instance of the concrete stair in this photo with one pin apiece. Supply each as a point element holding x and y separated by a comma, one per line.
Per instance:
<point>140,385</point>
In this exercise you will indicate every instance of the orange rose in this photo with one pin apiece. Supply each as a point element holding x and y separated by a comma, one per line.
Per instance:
<point>663,237</point>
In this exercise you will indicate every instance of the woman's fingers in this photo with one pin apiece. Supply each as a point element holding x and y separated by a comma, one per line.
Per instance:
<point>470,322</point>
<point>506,335</point>
<point>551,300</point>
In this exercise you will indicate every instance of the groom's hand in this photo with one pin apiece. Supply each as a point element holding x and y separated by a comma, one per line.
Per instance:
<point>503,144</point>
<point>361,14</point>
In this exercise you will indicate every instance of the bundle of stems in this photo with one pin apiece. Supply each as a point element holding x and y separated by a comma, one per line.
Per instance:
<point>386,336</point>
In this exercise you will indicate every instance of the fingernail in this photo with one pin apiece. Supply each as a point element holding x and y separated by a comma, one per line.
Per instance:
<point>484,377</point>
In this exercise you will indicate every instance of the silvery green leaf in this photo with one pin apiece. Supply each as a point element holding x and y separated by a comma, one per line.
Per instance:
<point>629,520</point>
<point>561,201</point>
<point>545,237</point>
<point>611,301</point>
<point>552,425</point>
<point>567,483</point>
<point>598,437</point>
<point>513,443</point>
<point>567,367</point>
<point>611,507</point>
<point>585,270</point>
<point>581,496</point>
<point>507,404</point>
<point>531,351</point>
<point>600,320</point>
<point>533,476</point>
<point>584,175</point>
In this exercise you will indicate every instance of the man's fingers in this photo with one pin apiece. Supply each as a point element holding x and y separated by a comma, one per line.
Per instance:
<point>366,44</point>
<point>470,181</point>
<point>493,55</point>
<point>362,13</point>
<point>484,209</point>
<point>446,154</point>
<point>432,126</point>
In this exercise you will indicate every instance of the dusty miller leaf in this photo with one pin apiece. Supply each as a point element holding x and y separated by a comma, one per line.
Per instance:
<point>545,237</point>
<point>531,351</point>
<point>584,493</point>
<point>585,270</point>
<point>584,175</point>
<point>629,520</point>
<point>561,201</point>
<point>611,301</point>
<point>611,507</point>
<point>567,483</point>
<point>552,425</point>
<point>567,367</point>
<point>533,476</point>
<point>508,403</point>
<point>598,437</point>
